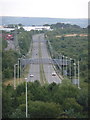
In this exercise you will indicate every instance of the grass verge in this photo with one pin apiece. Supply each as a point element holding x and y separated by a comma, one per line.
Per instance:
<point>42,74</point>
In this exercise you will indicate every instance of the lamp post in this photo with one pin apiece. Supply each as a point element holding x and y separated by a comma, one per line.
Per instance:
<point>15,76</point>
<point>26,98</point>
<point>19,69</point>
<point>66,65</point>
<point>60,57</point>
<point>63,64</point>
<point>78,76</point>
<point>70,67</point>
<point>75,72</point>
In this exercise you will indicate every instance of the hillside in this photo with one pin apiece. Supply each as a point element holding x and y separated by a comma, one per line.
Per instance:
<point>27,21</point>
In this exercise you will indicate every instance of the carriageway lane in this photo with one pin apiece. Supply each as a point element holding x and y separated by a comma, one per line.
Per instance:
<point>48,68</point>
<point>34,68</point>
<point>39,45</point>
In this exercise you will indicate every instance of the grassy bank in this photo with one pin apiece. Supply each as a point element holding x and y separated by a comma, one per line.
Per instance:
<point>42,74</point>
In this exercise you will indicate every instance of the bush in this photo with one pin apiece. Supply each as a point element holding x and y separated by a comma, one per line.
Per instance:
<point>39,109</point>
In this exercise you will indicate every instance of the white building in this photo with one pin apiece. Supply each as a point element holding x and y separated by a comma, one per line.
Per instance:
<point>29,28</point>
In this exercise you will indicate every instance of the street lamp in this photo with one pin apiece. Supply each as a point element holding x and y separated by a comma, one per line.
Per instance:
<point>75,72</point>
<point>26,97</point>
<point>60,57</point>
<point>66,65</point>
<point>78,76</point>
<point>15,76</point>
<point>63,64</point>
<point>19,69</point>
<point>70,67</point>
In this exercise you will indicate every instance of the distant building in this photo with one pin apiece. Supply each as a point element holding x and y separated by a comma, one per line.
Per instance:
<point>29,28</point>
<point>6,29</point>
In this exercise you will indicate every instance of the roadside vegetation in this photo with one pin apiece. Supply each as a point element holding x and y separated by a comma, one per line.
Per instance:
<point>75,47</point>
<point>47,101</point>
<point>10,57</point>
<point>42,74</point>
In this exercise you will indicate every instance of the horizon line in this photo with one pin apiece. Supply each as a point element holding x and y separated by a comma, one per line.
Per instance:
<point>42,17</point>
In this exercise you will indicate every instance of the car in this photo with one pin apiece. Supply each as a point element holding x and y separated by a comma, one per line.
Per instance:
<point>53,74</point>
<point>31,75</point>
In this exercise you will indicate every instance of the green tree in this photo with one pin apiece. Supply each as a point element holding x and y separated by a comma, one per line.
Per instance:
<point>70,103</point>
<point>82,98</point>
<point>17,114</point>
<point>9,58</point>
<point>71,107</point>
<point>7,101</point>
<point>40,109</point>
<point>65,91</point>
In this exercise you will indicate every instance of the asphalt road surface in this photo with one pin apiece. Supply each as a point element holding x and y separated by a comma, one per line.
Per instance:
<point>34,68</point>
<point>40,51</point>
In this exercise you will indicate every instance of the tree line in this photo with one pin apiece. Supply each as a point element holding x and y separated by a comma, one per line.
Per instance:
<point>48,101</point>
<point>10,57</point>
<point>75,47</point>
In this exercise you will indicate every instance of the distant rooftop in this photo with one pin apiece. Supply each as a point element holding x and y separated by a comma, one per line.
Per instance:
<point>27,28</point>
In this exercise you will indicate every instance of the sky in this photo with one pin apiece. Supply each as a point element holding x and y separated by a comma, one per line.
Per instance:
<point>45,8</point>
